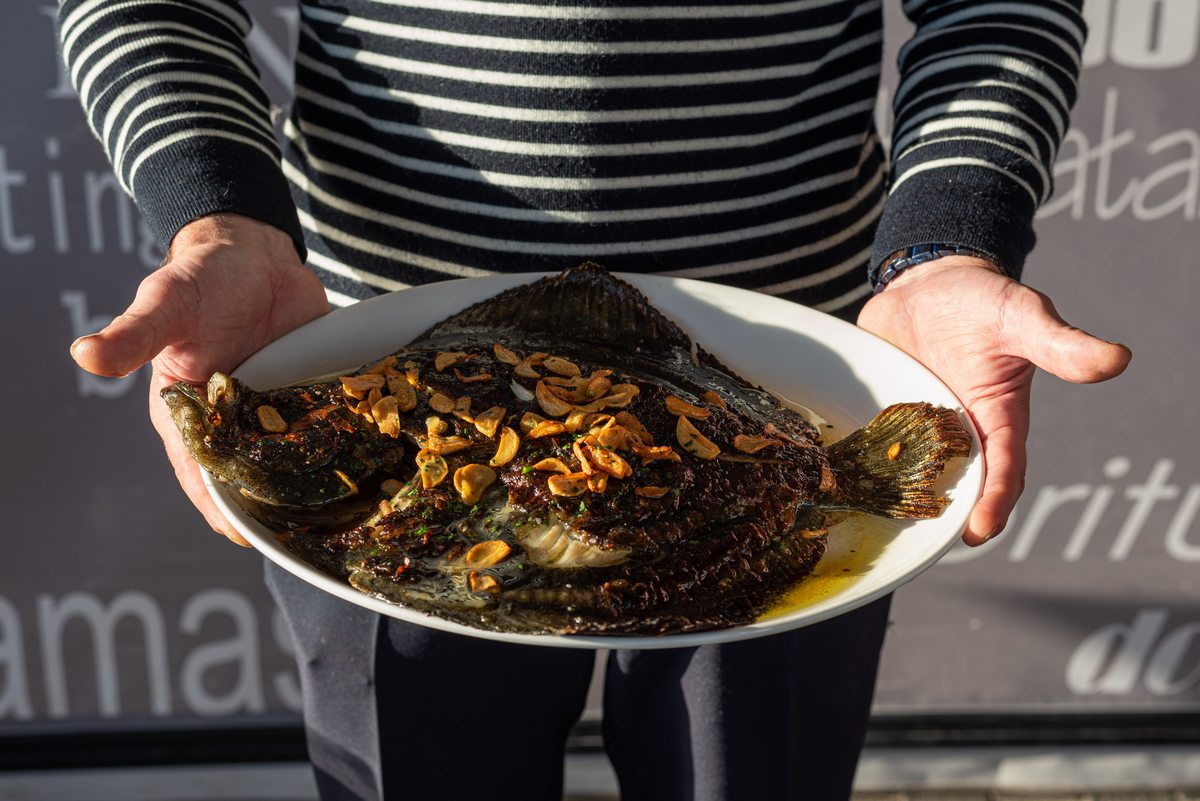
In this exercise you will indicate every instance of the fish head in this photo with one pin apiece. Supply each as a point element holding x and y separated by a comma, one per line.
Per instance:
<point>293,447</point>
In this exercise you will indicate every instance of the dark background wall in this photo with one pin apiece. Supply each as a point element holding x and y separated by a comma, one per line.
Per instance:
<point>119,609</point>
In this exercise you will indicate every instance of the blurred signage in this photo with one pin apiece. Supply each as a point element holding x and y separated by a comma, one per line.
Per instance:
<point>116,603</point>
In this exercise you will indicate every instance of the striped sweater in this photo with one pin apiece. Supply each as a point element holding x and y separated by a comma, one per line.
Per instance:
<point>734,142</point>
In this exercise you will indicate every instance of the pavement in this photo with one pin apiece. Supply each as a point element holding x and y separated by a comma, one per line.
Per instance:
<point>1111,774</point>
<point>988,795</point>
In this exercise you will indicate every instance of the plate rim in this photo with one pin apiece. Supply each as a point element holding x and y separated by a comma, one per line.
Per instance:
<point>266,542</point>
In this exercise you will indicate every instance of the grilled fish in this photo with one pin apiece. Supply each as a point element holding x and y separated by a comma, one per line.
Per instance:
<point>506,474</point>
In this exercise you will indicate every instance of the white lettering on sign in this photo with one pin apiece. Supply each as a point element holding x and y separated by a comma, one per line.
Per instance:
<point>1118,658</point>
<point>1071,515</point>
<point>76,304</point>
<point>58,203</point>
<point>1142,34</point>
<point>240,650</point>
<point>62,84</point>
<point>15,703</point>
<point>96,187</point>
<point>53,616</point>
<point>1177,543</point>
<point>132,625</point>
<point>108,214</point>
<point>10,239</point>
<point>1085,171</point>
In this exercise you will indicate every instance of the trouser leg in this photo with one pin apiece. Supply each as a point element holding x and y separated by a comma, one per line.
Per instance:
<point>769,719</point>
<point>399,711</point>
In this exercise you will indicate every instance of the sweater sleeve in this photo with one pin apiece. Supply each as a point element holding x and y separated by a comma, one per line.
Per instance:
<point>982,105</point>
<point>169,89</point>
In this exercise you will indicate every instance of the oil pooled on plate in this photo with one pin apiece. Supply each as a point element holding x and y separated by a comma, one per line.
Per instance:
<point>853,545</point>
<point>853,548</point>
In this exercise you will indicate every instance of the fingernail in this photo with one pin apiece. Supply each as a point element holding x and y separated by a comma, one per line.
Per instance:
<point>236,539</point>
<point>75,345</point>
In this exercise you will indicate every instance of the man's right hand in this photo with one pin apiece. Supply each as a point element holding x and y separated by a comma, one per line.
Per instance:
<point>230,285</point>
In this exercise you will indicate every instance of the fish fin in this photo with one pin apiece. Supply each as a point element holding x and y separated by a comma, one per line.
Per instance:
<point>888,466</point>
<point>588,301</point>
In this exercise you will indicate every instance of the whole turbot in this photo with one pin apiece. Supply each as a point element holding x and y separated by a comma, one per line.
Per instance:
<point>559,459</point>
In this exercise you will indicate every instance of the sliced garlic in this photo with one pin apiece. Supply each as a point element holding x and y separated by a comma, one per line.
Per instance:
<point>568,486</point>
<point>472,480</point>
<point>482,582</point>
<point>402,391</point>
<point>441,403</point>
<point>748,443</point>
<point>387,416</point>
<point>609,462</point>
<point>550,403</point>
<point>510,443</point>
<point>692,441</point>
<point>432,467</point>
<point>270,419</point>
<point>678,406</point>
<point>488,422</point>
<point>453,444</point>
<point>560,366</point>
<point>486,554</point>
<point>546,428</point>
<point>505,356</point>
<point>357,386</point>
<point>444,360</point>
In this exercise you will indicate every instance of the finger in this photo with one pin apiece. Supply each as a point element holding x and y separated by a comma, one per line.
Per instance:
<point>158,317</point>
<point>1004,456</point>
<point>188,474</point>
<point>1003,424</point>
<point>1045,339</point>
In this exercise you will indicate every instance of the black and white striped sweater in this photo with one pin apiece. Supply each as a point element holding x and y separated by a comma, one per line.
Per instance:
<point>727,141</point>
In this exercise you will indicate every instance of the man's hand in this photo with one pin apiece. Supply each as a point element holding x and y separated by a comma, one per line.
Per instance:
<point>229,286</point>
<point>983,334</point>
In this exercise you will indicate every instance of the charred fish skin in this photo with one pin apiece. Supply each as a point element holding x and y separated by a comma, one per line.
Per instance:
<point>319,455</point>
<point>614,480</point>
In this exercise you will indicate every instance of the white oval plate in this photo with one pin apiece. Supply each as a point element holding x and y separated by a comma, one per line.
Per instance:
<point>837,370</point>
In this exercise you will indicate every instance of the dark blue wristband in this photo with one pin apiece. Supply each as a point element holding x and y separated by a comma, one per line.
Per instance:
<point>911,256</point>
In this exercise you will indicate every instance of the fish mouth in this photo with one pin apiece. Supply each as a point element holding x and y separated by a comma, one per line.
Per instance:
<point>200,415</point>
<point>193,414</point>
<point>196,413</point>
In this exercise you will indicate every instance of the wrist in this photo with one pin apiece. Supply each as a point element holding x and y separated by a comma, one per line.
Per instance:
<point>939,268</point>
<point>235,230</point>
<point>907,259</point>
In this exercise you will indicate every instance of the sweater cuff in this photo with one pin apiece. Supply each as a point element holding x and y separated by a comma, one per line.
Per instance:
<point>969,205</point>
<point>200,176</point>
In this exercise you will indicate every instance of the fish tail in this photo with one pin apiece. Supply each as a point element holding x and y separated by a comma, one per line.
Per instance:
<point>888,466</point>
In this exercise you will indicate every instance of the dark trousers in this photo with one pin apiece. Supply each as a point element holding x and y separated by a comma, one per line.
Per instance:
<point>398,711</point>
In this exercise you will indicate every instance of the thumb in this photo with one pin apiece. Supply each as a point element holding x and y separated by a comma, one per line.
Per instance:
<point>159,316</point>
<point>1044,338</point>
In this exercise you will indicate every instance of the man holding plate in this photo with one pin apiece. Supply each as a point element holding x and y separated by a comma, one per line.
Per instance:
<point>735,143</point>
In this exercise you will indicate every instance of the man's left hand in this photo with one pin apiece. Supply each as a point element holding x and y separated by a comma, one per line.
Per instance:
<point>983,334</point>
